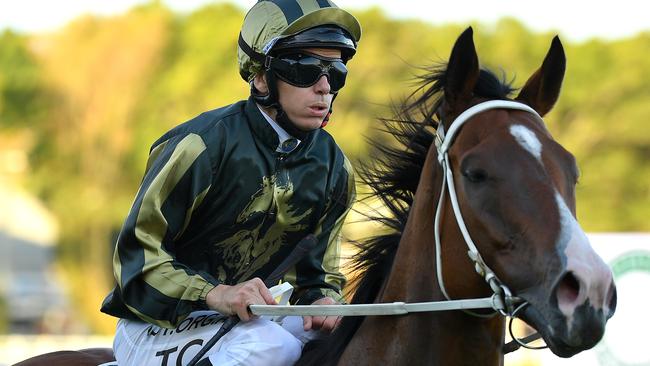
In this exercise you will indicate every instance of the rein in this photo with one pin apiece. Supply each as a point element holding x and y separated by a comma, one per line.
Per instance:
<point>502,301</point>
<point>390,308</point>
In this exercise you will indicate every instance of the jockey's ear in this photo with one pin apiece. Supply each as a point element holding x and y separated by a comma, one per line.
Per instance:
<point>259,82</point>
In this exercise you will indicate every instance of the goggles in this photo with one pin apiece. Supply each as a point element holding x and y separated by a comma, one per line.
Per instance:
<point>305,69</point>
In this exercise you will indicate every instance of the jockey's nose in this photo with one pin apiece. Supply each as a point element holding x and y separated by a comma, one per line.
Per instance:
<point>322,86</point>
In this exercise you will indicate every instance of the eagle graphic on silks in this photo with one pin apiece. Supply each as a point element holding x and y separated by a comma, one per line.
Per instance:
<point>249,249</point>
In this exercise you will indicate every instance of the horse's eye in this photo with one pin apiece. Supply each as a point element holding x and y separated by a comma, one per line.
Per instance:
<point>475,175</point>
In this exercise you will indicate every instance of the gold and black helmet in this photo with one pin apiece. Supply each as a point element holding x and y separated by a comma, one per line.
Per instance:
<point>272,26</point>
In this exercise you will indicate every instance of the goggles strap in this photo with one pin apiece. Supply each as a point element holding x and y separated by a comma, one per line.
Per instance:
<point>259,57</point>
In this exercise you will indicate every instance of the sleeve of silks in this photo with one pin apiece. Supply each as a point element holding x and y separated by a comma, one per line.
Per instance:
<point>318,275</point>
<point>153,284</point>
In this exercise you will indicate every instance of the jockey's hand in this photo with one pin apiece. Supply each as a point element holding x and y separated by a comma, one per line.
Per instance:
<point>323,323</point>
<point>234,300</point>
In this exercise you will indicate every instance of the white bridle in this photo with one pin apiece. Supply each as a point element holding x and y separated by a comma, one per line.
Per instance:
<point>501,301</point>
<point>443,141</point>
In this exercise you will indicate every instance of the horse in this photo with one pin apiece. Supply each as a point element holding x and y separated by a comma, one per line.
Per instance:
<point>84,357</point>
<point>514,208</point>
<point>510,200</point>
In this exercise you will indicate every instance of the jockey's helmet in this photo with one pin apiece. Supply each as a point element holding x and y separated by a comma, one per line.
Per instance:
<point>271,26</point>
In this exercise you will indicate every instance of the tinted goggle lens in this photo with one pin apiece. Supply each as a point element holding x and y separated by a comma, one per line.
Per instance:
<point>305,70</point>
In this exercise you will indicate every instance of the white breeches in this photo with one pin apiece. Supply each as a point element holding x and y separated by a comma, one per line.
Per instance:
<point>257,342</point>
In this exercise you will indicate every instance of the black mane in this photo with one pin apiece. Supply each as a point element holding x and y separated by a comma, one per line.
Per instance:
<point>393,174</point>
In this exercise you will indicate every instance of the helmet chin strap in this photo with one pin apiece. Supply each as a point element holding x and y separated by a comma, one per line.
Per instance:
<point>326,120</point>
<point>271,99</point>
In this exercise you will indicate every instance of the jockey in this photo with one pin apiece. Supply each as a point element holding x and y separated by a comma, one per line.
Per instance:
<point>228,194</point>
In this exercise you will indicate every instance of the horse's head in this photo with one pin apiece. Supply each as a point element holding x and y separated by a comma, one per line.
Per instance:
<point>516,190</point>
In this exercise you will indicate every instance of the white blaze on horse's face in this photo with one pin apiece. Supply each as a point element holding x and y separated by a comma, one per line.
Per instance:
<point>586,278</point>
<point>527,139</point>
<point>585,267</point>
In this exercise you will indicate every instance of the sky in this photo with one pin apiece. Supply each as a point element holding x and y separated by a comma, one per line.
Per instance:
<point>577,20</point>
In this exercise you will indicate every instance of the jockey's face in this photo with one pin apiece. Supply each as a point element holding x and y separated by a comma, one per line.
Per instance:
<point>306,107</point>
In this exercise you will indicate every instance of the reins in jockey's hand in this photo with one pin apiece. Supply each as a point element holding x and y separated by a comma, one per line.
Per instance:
<point>303,247</point>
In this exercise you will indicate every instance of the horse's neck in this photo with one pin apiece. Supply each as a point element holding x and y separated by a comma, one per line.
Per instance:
<point>443,338</point>
<point>413,276</point>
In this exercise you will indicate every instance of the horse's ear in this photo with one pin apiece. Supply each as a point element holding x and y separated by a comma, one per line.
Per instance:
<point>543,88</point>
<point>462,72</point>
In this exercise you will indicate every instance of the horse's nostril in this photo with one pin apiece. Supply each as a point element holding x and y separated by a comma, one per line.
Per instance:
<point>612,300</point>
<point>568,289</point>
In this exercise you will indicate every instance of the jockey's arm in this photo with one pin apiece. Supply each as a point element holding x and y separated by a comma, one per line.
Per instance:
<point>153,284</point>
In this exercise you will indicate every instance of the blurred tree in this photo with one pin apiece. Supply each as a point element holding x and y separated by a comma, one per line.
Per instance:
<point>101,68</point>
<point>198,72</point>
<point>23,98</point>
<point>603,113</point>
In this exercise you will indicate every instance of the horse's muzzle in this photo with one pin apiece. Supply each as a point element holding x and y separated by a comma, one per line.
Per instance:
<point>570,322</point>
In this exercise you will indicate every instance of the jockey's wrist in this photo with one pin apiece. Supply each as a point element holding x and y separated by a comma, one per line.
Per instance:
<point>202,302</point>
<point>206,290</point>
<point>215,298</point>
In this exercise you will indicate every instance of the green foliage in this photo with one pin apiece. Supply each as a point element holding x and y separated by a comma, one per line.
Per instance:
<point>97,93</point>
<point>23,98</point>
